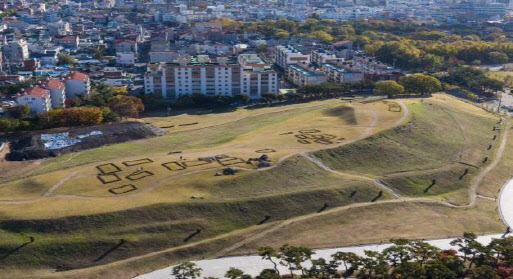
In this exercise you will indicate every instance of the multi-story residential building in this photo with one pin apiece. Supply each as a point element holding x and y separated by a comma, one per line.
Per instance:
<point>59,28</point>
<point>288,55</point>
<point>71,42</point>
<point>301,76</point>
<point>338,74</point>
<point>259,78</point>
<point>125,58</point>
<point>125,45</point>
<point>57,92</point>
<point>325,57</point>
<point>369,65</point>
<point>200,76</point>
<point>36,98</point>
<point>15,51</point>
<point>77,84</point>
<point>163,56</point>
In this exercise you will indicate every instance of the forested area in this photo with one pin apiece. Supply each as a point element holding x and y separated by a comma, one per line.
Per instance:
<point>408,45</point>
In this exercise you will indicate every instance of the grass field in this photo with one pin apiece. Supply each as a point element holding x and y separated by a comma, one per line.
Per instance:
<point>370,225</point>
<point>79,222</point>
<point>437,152</point>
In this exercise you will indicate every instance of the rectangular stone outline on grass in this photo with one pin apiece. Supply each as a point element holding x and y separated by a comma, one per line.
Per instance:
<point>101,168</point>
<point>113,190</point>
<point>104,181</point>
<point>137,162</point>
<point>168,164</point>
<point>189,164</point>
<point>229,161</point>
<point>137,173</point>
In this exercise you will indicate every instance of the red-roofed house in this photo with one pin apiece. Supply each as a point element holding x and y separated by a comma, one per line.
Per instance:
<point>57,92</point>
<point>77,84</point>
<point>36,98</point>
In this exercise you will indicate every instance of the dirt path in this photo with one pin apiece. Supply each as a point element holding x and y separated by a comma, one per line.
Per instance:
<point>320,164</point>
<point>497,156</point>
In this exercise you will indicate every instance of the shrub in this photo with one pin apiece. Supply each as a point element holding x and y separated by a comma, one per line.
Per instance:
<point>108,115</point>
<point>71,117</point>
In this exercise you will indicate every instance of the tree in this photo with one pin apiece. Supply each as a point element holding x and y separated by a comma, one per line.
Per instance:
<point>375,264</point>
<point>9,125</point>
<point>496,57</point>
<point>126,106</point>
<point>108,115</point>
<point>268,274</point>
<point>484,272</point>
<point>100,95</point>
<point>294,256</point>
<point>470,247</point>
<point>322,269</point>
<point>389,88</point>
<point>421,83</point>
<point>422,251</point>
<point>187,270</point>
<point>350,260</point>
<point>98,53</point>
<point>67,117</point>
<point>321,36</point>
<point>234,273</point>
<point>22,111</point>
<point>398,253</point>
<point>65,59</point>
<point>268,253</point>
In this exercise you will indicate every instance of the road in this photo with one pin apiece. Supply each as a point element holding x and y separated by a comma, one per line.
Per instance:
<point>505,201</point>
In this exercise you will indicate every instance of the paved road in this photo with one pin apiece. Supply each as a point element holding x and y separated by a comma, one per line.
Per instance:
<point>254,264</point>
<point>506,203</point>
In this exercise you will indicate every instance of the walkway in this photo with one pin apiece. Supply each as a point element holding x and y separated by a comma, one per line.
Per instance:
<point>505,200</point>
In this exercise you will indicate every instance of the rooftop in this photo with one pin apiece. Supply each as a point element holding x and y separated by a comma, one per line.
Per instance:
<point>36,91</point>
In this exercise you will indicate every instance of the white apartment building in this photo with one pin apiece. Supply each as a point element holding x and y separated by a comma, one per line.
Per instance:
<point>369,65</point>
<point>288,55</point>
<point>57,92</point>
<point>173,80</point>
<point>77,84</point>
<point>338,74</point>
<point>16,51</point>
<point>125,58</point>
<point>301,76</point>
<point>325,57</point>
<point>36,98</point>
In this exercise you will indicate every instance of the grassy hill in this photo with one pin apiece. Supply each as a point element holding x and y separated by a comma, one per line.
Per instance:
<point>438,145</point>
<point>445,141</point>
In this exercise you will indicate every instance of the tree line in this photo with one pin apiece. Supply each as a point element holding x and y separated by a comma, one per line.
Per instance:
<point>102,106</point>
<point>402,259</point>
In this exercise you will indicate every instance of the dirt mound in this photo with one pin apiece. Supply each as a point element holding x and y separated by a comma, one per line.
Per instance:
<point>37,145</point>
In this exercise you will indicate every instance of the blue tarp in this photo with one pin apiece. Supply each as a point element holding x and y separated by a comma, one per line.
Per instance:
<point>62,140</point>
